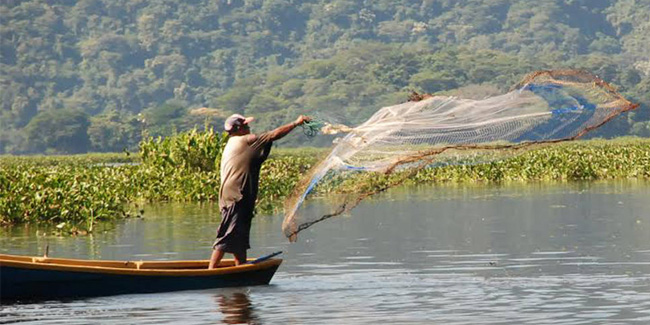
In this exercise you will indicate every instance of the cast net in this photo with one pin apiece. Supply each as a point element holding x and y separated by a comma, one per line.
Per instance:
<point>431,131</point>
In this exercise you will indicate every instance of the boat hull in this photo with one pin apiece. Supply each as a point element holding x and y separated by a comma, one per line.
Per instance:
<point>35,281</point>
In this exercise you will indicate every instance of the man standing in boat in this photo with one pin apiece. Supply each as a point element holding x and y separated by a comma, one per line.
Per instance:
<point>240,169</point>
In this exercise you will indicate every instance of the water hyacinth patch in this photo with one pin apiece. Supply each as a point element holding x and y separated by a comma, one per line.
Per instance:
<point>76,192</point>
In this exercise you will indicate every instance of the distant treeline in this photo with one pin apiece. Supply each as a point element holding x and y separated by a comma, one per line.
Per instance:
<point>93,75</point>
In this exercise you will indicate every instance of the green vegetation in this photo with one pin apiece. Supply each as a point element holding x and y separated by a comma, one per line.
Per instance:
<point>70,195</point>
<point>572,161</point>
<point>75,192</point>
<point>190,151</point>
<point>88,159</point>
<point>91,75</point>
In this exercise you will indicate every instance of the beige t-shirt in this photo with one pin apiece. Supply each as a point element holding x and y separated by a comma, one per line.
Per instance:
<point>240,168</point>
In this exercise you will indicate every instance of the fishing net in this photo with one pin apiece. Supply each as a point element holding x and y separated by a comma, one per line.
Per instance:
<point>430,131</point>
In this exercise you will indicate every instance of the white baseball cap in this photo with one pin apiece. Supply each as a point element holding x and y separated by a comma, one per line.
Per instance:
<point>235,121</point>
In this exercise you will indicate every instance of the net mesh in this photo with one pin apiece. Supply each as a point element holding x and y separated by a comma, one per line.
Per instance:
<point>398,141</point>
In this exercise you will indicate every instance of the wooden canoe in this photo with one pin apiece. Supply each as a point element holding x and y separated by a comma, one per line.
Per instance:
<point>26,277</point>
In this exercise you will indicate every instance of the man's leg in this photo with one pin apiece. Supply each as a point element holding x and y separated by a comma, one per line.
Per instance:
<point>216,257</point>
<point>240,258</point>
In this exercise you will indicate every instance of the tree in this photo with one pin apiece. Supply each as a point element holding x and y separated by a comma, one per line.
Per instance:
<point>113,131</point>
<point>165,119</point>
<point>62,131</point>
<point>99,56</point>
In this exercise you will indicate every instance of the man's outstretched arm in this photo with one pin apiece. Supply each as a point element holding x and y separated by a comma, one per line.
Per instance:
<point>281,131</point>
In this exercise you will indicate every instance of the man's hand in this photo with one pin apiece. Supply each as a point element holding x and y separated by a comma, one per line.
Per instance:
<point>302,119</point>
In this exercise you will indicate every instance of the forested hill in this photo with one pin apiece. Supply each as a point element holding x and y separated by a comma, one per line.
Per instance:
<point>91,75</point>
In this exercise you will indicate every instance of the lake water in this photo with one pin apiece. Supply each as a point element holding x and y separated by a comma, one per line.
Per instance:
<point>575,253</point>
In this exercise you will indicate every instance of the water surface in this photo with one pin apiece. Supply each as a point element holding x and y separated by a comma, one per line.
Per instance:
<point>517,254</point>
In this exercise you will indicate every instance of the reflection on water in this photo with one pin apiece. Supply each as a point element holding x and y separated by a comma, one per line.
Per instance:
<point>574,253</point>
<point>236,308</point>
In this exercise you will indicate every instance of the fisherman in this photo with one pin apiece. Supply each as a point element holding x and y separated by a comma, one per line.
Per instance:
<point>240,169</point>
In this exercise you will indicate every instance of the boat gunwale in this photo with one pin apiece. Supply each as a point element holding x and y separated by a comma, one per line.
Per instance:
<point>130,267</point>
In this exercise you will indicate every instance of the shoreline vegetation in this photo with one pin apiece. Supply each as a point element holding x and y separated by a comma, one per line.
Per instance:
<point>74,193</point>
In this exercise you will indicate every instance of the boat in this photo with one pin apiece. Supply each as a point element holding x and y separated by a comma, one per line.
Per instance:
<point>37,278</point>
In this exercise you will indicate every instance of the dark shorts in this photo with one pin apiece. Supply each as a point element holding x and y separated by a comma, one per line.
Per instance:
<point>233,234</point>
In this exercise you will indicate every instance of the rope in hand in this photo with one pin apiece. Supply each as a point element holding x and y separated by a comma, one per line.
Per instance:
<point>311,128</point>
